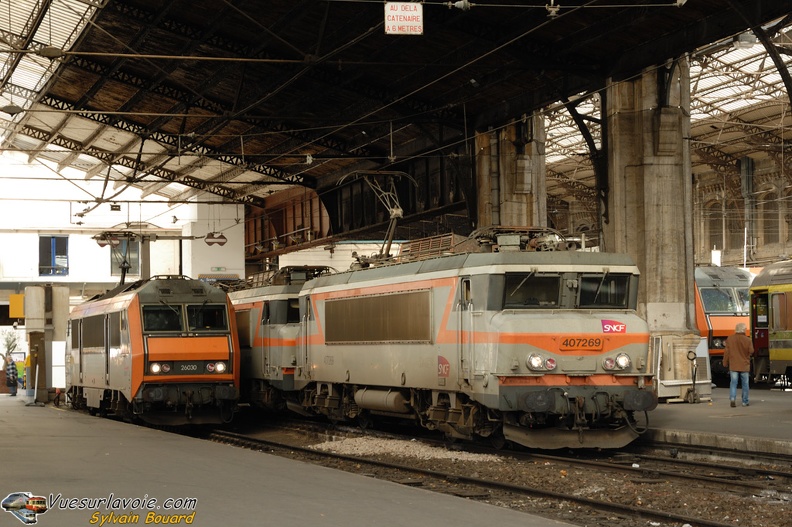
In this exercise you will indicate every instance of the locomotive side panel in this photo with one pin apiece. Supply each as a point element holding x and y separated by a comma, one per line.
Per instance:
<point>393,335</point>
<point>119,353</point>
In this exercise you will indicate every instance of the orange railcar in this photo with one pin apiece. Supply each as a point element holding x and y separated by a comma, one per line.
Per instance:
<point>721,301</point>
<point>164,350</point>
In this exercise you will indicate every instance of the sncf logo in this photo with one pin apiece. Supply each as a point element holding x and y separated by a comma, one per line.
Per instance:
<point>613,326</point>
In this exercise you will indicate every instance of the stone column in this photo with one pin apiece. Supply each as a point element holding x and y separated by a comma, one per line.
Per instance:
<point>511,174</point>
<point>651,206</point>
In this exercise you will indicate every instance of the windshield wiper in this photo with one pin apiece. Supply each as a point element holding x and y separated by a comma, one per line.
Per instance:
<point>599,287</point>
<point>529,275</point>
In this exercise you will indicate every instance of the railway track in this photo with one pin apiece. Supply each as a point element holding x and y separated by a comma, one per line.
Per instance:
<point>593,488</point>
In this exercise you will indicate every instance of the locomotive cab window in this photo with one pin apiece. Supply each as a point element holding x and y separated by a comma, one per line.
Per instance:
<point>207,317</point>
<point>293,311</point>
<point>527,290</point>
<point>724,300</point>
<point>604,291</point>
<point>162,318</point>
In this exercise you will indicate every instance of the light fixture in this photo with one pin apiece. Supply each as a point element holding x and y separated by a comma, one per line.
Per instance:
<point>552,9</point>
<point>11,109</point>
<point>744,40</point>
<point>464,5</point>
<point>103,240</point>
<point>50,52</point>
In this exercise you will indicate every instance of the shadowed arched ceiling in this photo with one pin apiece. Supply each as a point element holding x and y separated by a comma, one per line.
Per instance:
<point>248,99</point>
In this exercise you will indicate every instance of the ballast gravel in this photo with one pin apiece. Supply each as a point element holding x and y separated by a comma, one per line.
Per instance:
<point>364,446</point>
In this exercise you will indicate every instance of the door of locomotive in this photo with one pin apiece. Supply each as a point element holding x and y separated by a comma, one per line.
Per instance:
<point>264,359</point>
<point>303,369</point>
<point>465,331</point>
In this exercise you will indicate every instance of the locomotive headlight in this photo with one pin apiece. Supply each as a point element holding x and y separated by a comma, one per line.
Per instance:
<point>623,361</point>
<point>539,363</point>
<point>220,367</point>
<point>719,342</point>
<point>155,367</point>
<point>608,363</point>
<point>535,362</point>
<point>165,367</point>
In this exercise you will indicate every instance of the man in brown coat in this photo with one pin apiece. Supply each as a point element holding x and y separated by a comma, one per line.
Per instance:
<point>737,357</point>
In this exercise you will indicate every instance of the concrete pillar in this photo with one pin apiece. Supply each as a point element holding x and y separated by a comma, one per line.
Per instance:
<point>46,326</point>
<point>511,174</point>
<point>651,205</point>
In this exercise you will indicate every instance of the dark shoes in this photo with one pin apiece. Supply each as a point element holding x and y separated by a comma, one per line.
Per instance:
<point>733,404</point>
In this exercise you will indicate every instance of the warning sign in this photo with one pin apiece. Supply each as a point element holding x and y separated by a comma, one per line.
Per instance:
<point>403,18</point>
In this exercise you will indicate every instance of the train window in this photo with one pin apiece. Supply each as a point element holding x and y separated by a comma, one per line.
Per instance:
<point>162,318</point>
<point>527,290</point>
<point>719,300</point>
<point>779,312</point>
<point>466,294</point>
<point>207,317</point>
<point>604,291</point>
<point>114,329</point>
<point>760,311</point>
<point>743,299</point>
<point>93,332</point>
<point>293,311</point>
<point>74,327</point>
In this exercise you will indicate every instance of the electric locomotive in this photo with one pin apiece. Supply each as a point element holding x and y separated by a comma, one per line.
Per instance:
<point>722,301</point>
<point>512,342</point>
<point>268,322</point>
<point>164,350</point>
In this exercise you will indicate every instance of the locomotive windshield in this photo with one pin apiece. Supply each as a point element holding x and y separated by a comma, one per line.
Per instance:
<point>526,290</point>
<point>566,291</point>
<point>164,317</point>
<point>725,299</point>
<point>604,291</point>
<point>207,317</point>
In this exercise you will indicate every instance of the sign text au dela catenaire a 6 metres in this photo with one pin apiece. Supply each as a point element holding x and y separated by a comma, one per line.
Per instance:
<point>403,18</point>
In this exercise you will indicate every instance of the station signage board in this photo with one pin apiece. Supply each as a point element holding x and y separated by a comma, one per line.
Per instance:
<point>403,18</point>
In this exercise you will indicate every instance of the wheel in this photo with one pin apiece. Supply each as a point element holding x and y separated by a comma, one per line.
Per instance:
<point>497,441</point>
<point>365,421</point>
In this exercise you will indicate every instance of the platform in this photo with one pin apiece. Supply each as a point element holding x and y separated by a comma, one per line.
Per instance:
<point>765,426</point>
<point>90,469</point>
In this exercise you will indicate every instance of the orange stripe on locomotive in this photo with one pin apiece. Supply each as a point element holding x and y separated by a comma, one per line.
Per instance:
<point>551,343</point>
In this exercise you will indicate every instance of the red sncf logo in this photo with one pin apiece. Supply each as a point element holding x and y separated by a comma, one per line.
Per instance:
<point>613,326</point>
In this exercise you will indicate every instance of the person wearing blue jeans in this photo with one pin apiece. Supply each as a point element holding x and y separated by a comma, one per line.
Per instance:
<point>737,357</point>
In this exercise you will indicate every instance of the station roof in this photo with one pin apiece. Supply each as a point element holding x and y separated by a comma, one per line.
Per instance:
<point>243,99</point>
